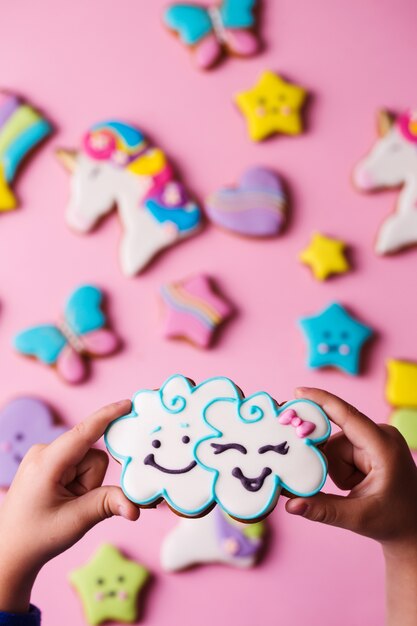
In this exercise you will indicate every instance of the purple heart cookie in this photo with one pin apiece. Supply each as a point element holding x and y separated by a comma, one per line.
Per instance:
<point>256,207</point>
<point>23,423</point>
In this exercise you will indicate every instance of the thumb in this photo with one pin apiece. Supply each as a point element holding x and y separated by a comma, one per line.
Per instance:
<point>328,509</point>
<point>101,503</point>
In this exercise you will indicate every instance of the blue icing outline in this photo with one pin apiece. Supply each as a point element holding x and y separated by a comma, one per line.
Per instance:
<point>126,460</point>
<point>278,483</point>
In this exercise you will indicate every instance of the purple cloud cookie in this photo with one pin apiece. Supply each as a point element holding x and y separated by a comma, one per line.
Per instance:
<point>23,423</point>
<point>256,207</point>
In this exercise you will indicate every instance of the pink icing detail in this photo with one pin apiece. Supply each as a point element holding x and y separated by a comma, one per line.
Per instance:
<point>242,42</point>
<point>5,446</point>
<point>407,124</point>
<point>260,111</point>
<point>302,427</point>
<point>100,342</point>
<point>123,595</point>
<point>99,596</point>
<point>207,52</point>
<point>159,181</point>
<point>286,110</point>
<point>99,145</point>
<point>71,366</point>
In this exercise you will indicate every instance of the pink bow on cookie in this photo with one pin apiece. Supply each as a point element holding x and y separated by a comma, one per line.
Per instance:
<point>302,427</point>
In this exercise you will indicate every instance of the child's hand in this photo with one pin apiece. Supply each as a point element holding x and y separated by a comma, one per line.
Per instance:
<point>55,498</point>
<point>372,462</point>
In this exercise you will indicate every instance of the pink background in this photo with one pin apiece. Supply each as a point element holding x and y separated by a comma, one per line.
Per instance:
<point>85,61</point>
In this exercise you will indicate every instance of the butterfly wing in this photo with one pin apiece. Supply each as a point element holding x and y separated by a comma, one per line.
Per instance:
<point>191,23</point>
<point>71,365</point>
<point>100,342</point>
<point>241,42</point>
<point>207,52</point>
<point>83,310</point>
<point>238,14</point>
<point>45,342</point>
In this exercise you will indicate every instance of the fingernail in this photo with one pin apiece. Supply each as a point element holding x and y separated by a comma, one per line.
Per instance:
<point>297,508</point>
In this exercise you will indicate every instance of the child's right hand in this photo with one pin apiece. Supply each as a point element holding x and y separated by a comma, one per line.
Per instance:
<point>372,462</point>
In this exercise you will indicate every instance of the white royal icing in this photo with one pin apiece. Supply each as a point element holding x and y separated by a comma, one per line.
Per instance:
<point>393,162</point>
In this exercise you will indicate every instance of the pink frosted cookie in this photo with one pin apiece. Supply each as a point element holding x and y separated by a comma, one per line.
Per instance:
<point>194,310</point>
<point>392,162</point>
<point>256,207</point>
<point>226,27</point>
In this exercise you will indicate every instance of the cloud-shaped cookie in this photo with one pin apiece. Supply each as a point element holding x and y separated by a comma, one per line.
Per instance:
<point>257,448</point>
<point>155,444</point>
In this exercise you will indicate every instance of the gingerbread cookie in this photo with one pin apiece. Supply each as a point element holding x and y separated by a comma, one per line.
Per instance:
<point>24,422</point>
<point>212,31</point>
<point>79,335</point>
<point>194,310</point>
<point>256,207</point>
<point>109,586</point>
<point>392,162</point>
<point>117,166</point>
<point>272,106</point>
<point>195,446</point>
<point>214,538</point>
<point>22,128</point>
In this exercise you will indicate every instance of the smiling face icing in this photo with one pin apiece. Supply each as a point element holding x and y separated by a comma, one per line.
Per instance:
<point>156,441</point>
<point>195,446</point>
<point>259,448</point>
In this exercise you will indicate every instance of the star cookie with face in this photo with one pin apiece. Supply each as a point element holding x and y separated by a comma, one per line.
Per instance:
<point>109,585</point>
<point>335,339</point>
<point>272,106</point>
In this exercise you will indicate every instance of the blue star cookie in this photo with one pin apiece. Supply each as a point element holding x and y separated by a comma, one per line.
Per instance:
<point>335,339</point>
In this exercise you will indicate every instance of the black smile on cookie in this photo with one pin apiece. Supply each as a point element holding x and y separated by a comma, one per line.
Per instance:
<point>251,484</point>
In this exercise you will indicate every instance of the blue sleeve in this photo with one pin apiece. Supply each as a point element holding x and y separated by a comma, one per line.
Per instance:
<point>32,618</point>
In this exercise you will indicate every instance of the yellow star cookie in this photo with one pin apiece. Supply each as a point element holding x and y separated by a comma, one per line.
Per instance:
<point>325,256</point>
<point>272,106</point>
<point>109,585</point>
<point>401,387</point>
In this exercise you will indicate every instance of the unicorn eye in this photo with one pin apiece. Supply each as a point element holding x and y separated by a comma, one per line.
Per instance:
<point>19,436</point>
<point>281,448</point>
<point>219,447</point>
<point>94,172</point>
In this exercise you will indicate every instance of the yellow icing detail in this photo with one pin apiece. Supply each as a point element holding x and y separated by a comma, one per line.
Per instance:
<point>19,121</point>
<point>406,422</point>
<point>401,387</point>
<point>149,164</point>
<point>8,200</point>
<point>413,128</point>
<point>325,256</point>
<point>272,106</point>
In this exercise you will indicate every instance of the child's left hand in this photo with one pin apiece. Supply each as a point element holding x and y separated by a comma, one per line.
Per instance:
<point>55,498</point>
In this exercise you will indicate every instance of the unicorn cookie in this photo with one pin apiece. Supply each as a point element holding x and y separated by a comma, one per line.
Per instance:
<point>22,128</point>
<point>212,31</point>
<point>24,422</point>
<point>392,162</point>
<point>196,446</point>
<point>116,165</point>
<point>155,444</point>
<point>214,538</point>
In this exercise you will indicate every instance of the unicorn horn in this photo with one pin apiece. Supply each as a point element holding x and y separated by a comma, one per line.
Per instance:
<point>385,121</point>
<point>67,158</point>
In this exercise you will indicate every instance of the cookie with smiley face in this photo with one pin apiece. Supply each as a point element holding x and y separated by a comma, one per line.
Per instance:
<point>109,585</point>
<point>155,445</point>
<point>257,448</point>
<point>24,422</point>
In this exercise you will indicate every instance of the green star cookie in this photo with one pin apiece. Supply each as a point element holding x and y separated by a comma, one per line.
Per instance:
<point>108,586</point>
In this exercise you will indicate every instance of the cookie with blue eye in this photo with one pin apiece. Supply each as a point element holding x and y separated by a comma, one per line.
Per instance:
<point>24,422</point>
<point>109,586</point>
<point>335,339</point>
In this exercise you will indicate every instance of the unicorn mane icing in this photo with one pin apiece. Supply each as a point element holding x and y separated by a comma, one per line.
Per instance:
<point>118,166</point>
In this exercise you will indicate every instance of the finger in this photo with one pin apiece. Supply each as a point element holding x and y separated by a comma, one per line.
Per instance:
<point>343,512</point>
<point>71,447</point>
<point>361,431</point>
<point>100,504</point>
<point>345,470</point>
<point>88,474</point>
